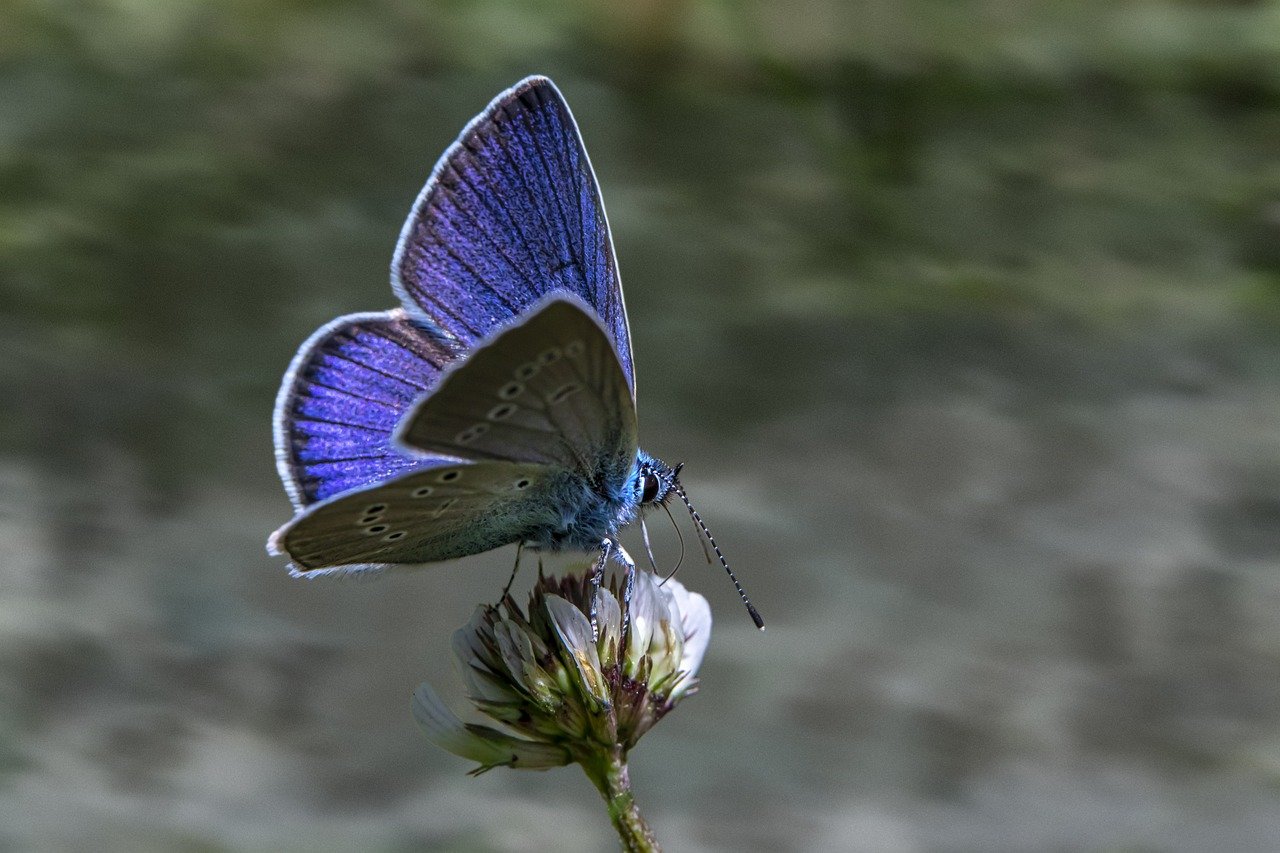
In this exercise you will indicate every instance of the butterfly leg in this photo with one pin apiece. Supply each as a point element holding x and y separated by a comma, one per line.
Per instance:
<point>506,590</point>
<point>597,577</point>
<point>620,554</point>
<point>629,587</point>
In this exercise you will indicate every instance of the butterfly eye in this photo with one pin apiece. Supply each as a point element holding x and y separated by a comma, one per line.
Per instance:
<point>449,476</point>
<point>651,486</point>
<point>511,390</point>
<point>549,356</point>
<point>502,411</point>
<point>527,371</point>
<point>573,349</point>
<point>421,492</point>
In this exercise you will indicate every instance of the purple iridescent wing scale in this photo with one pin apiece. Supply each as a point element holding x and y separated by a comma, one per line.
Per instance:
<point>511,214</point>
<point>342,398</point>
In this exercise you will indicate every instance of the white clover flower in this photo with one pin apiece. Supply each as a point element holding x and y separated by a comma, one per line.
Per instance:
<point>565,695</point>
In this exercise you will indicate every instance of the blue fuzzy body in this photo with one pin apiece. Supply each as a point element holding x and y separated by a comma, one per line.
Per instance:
<point>578,515</point>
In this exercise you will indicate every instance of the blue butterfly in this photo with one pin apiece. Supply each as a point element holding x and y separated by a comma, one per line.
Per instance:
<point>497,404</point>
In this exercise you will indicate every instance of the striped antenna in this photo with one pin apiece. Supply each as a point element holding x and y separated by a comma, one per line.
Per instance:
<point>742,593</point>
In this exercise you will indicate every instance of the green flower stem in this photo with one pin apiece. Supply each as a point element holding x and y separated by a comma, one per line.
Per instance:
<point>609,775</point>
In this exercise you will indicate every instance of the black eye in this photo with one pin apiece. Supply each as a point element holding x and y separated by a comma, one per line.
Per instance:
<point>651,485</point>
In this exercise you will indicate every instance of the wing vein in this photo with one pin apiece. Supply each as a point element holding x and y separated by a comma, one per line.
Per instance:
<point>566,243</point>
<point>496,196</point>
<point>476,222</point>
<point>523,180</point>
<point>312,419</point>
<point>516,268</point>
<point>444,309</point>
<point>479,278</point>
<point>346,392</point>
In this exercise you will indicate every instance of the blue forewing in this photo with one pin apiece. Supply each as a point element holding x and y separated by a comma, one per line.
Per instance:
<point>511,214</point>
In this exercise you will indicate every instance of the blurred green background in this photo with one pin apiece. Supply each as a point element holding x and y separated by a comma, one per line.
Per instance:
<point>963,314</point>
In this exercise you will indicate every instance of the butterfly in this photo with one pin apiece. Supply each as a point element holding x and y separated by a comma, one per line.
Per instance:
<point>496,405</point>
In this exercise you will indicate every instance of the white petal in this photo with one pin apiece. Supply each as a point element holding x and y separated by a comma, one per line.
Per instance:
<point>466,640</point>
<point>483,684</point>
<point>646,608</point>
<point>695,619</point>
<point>664,653</point>
<point>574,630</point>
<point>444,729</point>
<point>523,671</point>
<point>472,660</point>
<point>515,648</point>
<point>609,618</point>
<point>487,747</point>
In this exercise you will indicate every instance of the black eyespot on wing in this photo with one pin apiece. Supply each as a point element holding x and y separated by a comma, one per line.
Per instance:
<point>471,433</point>
<point>564,392</point>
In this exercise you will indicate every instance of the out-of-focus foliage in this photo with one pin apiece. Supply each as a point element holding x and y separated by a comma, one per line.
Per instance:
<point>963,313</point>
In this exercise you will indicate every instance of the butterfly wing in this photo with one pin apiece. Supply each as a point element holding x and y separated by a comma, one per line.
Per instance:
<point>419,517</point>
<point>549,390</point>
<point>348,387</point>
<point>511,214</point>
<point>506,254</point>
<point>538,405</point>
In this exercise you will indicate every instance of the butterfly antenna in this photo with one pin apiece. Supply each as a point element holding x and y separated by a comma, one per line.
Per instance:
<point>706,552</point>
<point>648,549</point>
<point>679,536</point>
<point>755,616</point>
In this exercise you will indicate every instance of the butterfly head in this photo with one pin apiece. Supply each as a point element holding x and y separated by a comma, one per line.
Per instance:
<point>657,480</point>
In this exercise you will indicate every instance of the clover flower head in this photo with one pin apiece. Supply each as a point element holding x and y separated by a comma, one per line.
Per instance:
<point>563,693</point>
